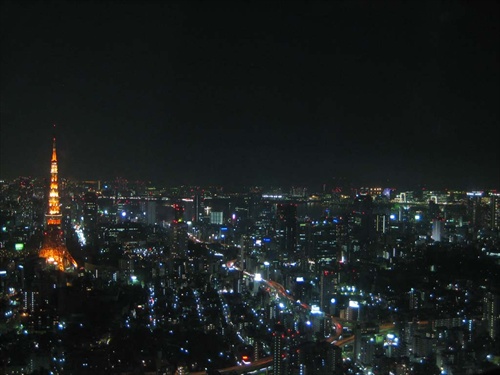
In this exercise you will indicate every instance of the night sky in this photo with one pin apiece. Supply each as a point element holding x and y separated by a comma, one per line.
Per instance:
<point>398,94</point>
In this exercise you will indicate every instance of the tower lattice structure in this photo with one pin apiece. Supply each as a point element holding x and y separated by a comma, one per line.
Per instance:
<point>53,249</point>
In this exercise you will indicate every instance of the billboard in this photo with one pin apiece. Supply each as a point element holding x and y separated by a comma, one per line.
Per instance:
<point>354,304</point>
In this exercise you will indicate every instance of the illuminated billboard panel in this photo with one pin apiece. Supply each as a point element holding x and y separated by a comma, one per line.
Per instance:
<point>354,304</point>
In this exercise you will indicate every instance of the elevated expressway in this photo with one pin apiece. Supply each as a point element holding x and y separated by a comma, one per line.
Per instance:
<point>278,288</point>
<point>267,361</point>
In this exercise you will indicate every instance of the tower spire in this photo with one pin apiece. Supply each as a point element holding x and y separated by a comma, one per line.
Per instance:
<point>53,248</point>
<point>54,213</point>
<point>54,154</point>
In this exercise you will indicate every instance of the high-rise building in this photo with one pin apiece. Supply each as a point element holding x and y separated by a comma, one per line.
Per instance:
<point>324,238</point>
<point>26,213</point>
<point>424,343</point>
<point>90,207</point>
<point>286,229</point>
<point>476,209</point>
<point>415,299</point>
<point>495,211</point>
<point>327,288</point>
<point>216,217</point>
<point>366,349</point>
<point>53,248</point>
<point>179,239</point>
<point>491,313</point>
<point>437,229</point>
<point>318,357</point>
<point>178,212</point>
<point>336,359</point>
<point>304,243</point>
<point>278,349</point>
<point>151,208</point>
<point>179,233</point>
<point>363,227</point>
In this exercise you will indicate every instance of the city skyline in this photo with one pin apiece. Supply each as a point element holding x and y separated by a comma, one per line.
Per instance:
<point>388,93</point>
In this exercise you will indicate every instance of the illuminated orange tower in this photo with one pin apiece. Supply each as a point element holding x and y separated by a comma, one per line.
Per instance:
<point>53,248</point>
<point>54,213</point>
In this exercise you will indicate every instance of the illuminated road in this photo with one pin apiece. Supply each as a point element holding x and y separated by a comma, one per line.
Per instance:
<point>348,340</point>
<point>267,362</point>
<point>278,288</point>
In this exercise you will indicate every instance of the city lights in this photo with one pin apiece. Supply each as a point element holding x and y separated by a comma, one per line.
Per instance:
<point>250,188</point>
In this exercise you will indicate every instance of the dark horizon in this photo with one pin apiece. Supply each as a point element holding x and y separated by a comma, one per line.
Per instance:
<point>395,94</point>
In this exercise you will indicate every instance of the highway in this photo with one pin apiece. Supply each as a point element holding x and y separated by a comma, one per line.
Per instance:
<point>267,362</point>
<point>277,288</point>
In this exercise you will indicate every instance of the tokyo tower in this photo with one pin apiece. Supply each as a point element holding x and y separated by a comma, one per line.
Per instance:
<point>53,248</point>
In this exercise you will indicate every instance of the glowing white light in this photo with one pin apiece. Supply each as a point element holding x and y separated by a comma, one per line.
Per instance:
<point>354,304</point>
<point>315,309</point>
